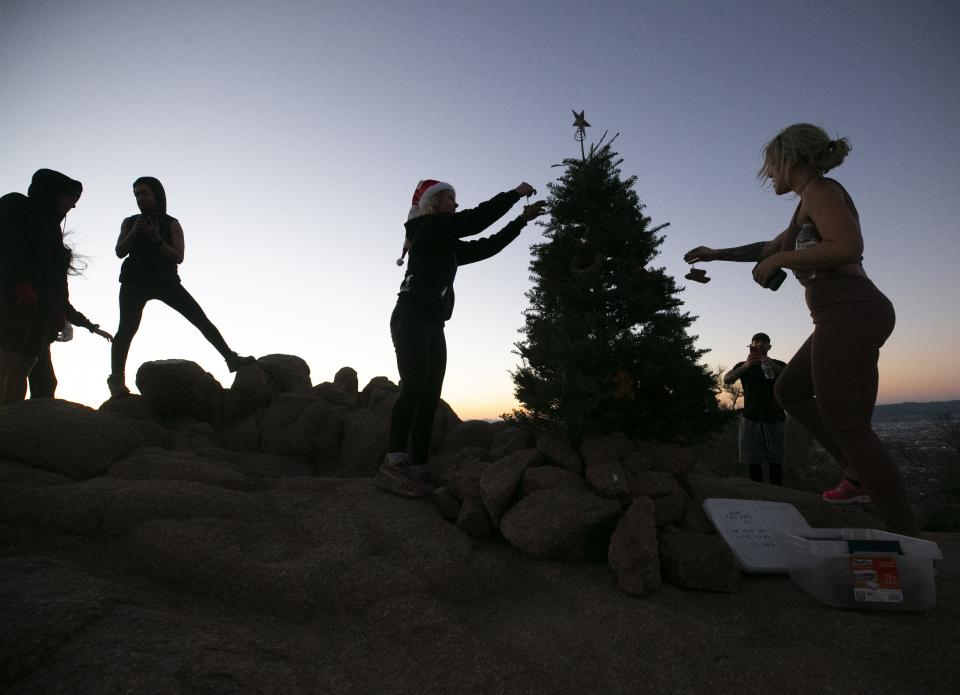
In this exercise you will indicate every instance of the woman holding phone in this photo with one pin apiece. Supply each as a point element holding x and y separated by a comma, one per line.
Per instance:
<point>152,245</point>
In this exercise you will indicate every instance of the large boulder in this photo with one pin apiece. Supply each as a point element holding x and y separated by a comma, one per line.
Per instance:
<point>315,434</point>
<point>193,435</point>
<point>699,561</point>
<point>181,389</point>
<point>253,389</point>
<point>159,464</point>
<point>463,478</point>
<point>474,519</point>
<point>652,483</point>
<point>283,411</point>
<point>547,477</point>
<point>561,524</point>
<point>290,373</point>
<point>256,465</point>
<point>379,394</point>
<point>508,440</point>
<point>499,480</point>
<point>13,473</point>
<point>346,378</point>
<point>112,506</point>
<point>634,552</point>
<point>64,437</point>
<point>336,395</point>
<point>363,443</point>
<point>669,508</point>
<point>137,412</point>
<point>130,407</point>
<point>560,453</point>
<point>601,462</point>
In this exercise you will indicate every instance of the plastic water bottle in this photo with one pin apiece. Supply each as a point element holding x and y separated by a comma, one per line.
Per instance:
<point>805,239</point>
<point>66,333</point>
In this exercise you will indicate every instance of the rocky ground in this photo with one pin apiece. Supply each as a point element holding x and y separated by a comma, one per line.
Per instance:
<point>208,540</point>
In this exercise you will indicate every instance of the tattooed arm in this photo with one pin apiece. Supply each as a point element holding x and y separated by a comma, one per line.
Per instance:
<point>754,252</point>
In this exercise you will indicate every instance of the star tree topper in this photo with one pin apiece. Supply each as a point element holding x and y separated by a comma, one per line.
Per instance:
<point>580,123</point>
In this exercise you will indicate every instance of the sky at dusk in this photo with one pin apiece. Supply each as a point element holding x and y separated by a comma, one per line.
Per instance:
<point>290,137</point>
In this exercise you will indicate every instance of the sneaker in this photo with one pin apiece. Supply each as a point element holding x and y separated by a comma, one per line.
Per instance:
<point>400,480</point>
<point>423,473</point>
<point>118,389</point>
<point>846,492</point>
<point>235,361</point>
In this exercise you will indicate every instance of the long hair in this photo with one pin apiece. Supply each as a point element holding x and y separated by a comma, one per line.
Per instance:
<point>156,187</point>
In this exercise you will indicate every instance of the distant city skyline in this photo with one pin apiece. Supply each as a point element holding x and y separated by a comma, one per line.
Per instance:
<point>290,138</point>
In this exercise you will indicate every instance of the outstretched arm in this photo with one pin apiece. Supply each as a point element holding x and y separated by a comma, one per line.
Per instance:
<point>481,249</point>
<point>78,319</point>
<point>470,222</point>
<point>754,252</point>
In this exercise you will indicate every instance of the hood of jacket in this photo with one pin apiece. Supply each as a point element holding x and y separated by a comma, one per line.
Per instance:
<point>47,184</point>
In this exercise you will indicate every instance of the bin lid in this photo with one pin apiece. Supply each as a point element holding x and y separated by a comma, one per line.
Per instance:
<point>747,526</point>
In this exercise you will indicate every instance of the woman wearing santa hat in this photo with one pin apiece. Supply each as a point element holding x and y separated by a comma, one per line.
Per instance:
<point>434,241</point>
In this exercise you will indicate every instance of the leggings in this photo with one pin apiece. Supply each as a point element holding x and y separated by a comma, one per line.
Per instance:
<point>422,361</point>
<point>830,387</point>
<point>134,296</point>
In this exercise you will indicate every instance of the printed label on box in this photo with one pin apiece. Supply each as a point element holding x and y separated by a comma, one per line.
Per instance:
<point>875,579</point>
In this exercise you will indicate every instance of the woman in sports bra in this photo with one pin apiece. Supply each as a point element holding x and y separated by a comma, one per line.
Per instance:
<point>830,385</point>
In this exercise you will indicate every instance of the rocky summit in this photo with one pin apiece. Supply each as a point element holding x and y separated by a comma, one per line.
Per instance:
<point>201,539</point>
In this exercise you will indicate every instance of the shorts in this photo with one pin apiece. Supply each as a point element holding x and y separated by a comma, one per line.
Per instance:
<point>761,442</point>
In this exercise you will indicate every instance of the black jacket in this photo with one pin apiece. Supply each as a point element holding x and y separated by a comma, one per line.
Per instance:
<point>437,250</point>
<point>31,242</point>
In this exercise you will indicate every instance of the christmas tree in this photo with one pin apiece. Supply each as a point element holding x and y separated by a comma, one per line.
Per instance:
<point>605,343</point>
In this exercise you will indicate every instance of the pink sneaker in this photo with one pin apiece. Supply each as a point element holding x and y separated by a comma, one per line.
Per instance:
<point>846,492</point>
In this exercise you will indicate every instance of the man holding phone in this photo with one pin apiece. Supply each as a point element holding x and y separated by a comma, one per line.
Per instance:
<point>762,422</point>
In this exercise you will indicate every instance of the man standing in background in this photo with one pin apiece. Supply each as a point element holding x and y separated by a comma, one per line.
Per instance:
<point>762,422</point>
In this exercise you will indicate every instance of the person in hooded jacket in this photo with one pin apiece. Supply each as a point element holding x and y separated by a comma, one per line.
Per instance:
<point>434,240</point>
<point>152,246</point>
<point>34,264</point>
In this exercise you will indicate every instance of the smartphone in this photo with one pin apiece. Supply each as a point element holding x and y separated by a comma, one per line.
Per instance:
<point>754,350</point>
<point>775,280</point>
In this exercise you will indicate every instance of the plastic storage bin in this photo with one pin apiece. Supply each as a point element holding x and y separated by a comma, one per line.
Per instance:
<point>862,568</point>
<point>747,526</point>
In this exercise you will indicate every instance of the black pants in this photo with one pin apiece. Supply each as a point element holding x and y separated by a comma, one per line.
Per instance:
<point>134,296</point>
<point>422,361</point>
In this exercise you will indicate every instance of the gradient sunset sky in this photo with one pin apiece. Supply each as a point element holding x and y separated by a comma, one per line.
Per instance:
<point>290,136</point>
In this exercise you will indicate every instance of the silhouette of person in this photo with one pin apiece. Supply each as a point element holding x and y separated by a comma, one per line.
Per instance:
<point>762,430</point>
<point>434,240</point>
<point>153,245</point>
<point>43,378</point>
<point>34,296</point>
<point>830,384</point>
